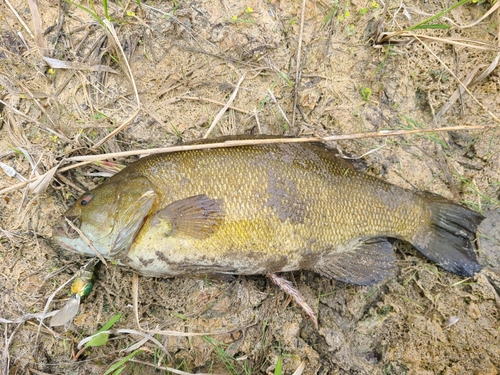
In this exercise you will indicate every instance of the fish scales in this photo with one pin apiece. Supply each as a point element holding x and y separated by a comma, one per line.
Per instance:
<point>264,209</point>
<point>275,206</point>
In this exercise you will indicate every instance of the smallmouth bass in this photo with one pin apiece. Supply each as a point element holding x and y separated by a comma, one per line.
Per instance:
<point>263,209</point>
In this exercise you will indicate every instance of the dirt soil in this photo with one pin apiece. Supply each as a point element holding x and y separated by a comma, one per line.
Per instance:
<point>186,58</point>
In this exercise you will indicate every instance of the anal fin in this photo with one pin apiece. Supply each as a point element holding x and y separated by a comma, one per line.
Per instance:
<point>369,262</point>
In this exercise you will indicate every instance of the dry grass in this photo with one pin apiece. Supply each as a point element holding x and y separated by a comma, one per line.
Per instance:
<point>78,88</point>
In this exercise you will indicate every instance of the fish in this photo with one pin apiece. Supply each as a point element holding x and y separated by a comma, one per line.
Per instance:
<point>263,209</point>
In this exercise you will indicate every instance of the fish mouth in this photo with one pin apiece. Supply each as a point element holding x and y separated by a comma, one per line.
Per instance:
<point>63,229</point>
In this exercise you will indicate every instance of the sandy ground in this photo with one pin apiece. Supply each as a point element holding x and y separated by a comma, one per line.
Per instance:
<point>186,58</point>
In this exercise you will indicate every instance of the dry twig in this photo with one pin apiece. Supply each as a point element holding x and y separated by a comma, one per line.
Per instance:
<point>37,27</point>
<point>298,69</point>
<point>19,18</point>
<point>224,109</point>
<point>110,28</point>
<point>271,95</point>
<point>248,142</point>
<point>493,116</point>
<point>86,240</point>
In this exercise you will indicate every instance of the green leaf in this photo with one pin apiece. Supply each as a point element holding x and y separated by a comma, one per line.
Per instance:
<point>92,14</point>
<point>117,372</point>
<point>117,367</point>
<point>278,370</point>
<point>106,12</point>
<point>110,323</point>
<point>99,339</point>
<point>433,26</point>
<point>330,14</point>
<point>440,14</point>
<point>286,78</point>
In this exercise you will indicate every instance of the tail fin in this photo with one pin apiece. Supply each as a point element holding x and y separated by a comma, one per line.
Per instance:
<point>447,241</point>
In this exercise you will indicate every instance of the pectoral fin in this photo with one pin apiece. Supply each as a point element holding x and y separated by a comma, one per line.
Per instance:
<point>198,216</point>
<point>370,262</point>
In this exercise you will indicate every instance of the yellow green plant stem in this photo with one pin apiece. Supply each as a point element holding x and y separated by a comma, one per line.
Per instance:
<point>440,14</point>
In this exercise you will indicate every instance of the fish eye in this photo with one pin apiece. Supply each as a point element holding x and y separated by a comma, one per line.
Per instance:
<point>86,199</point>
